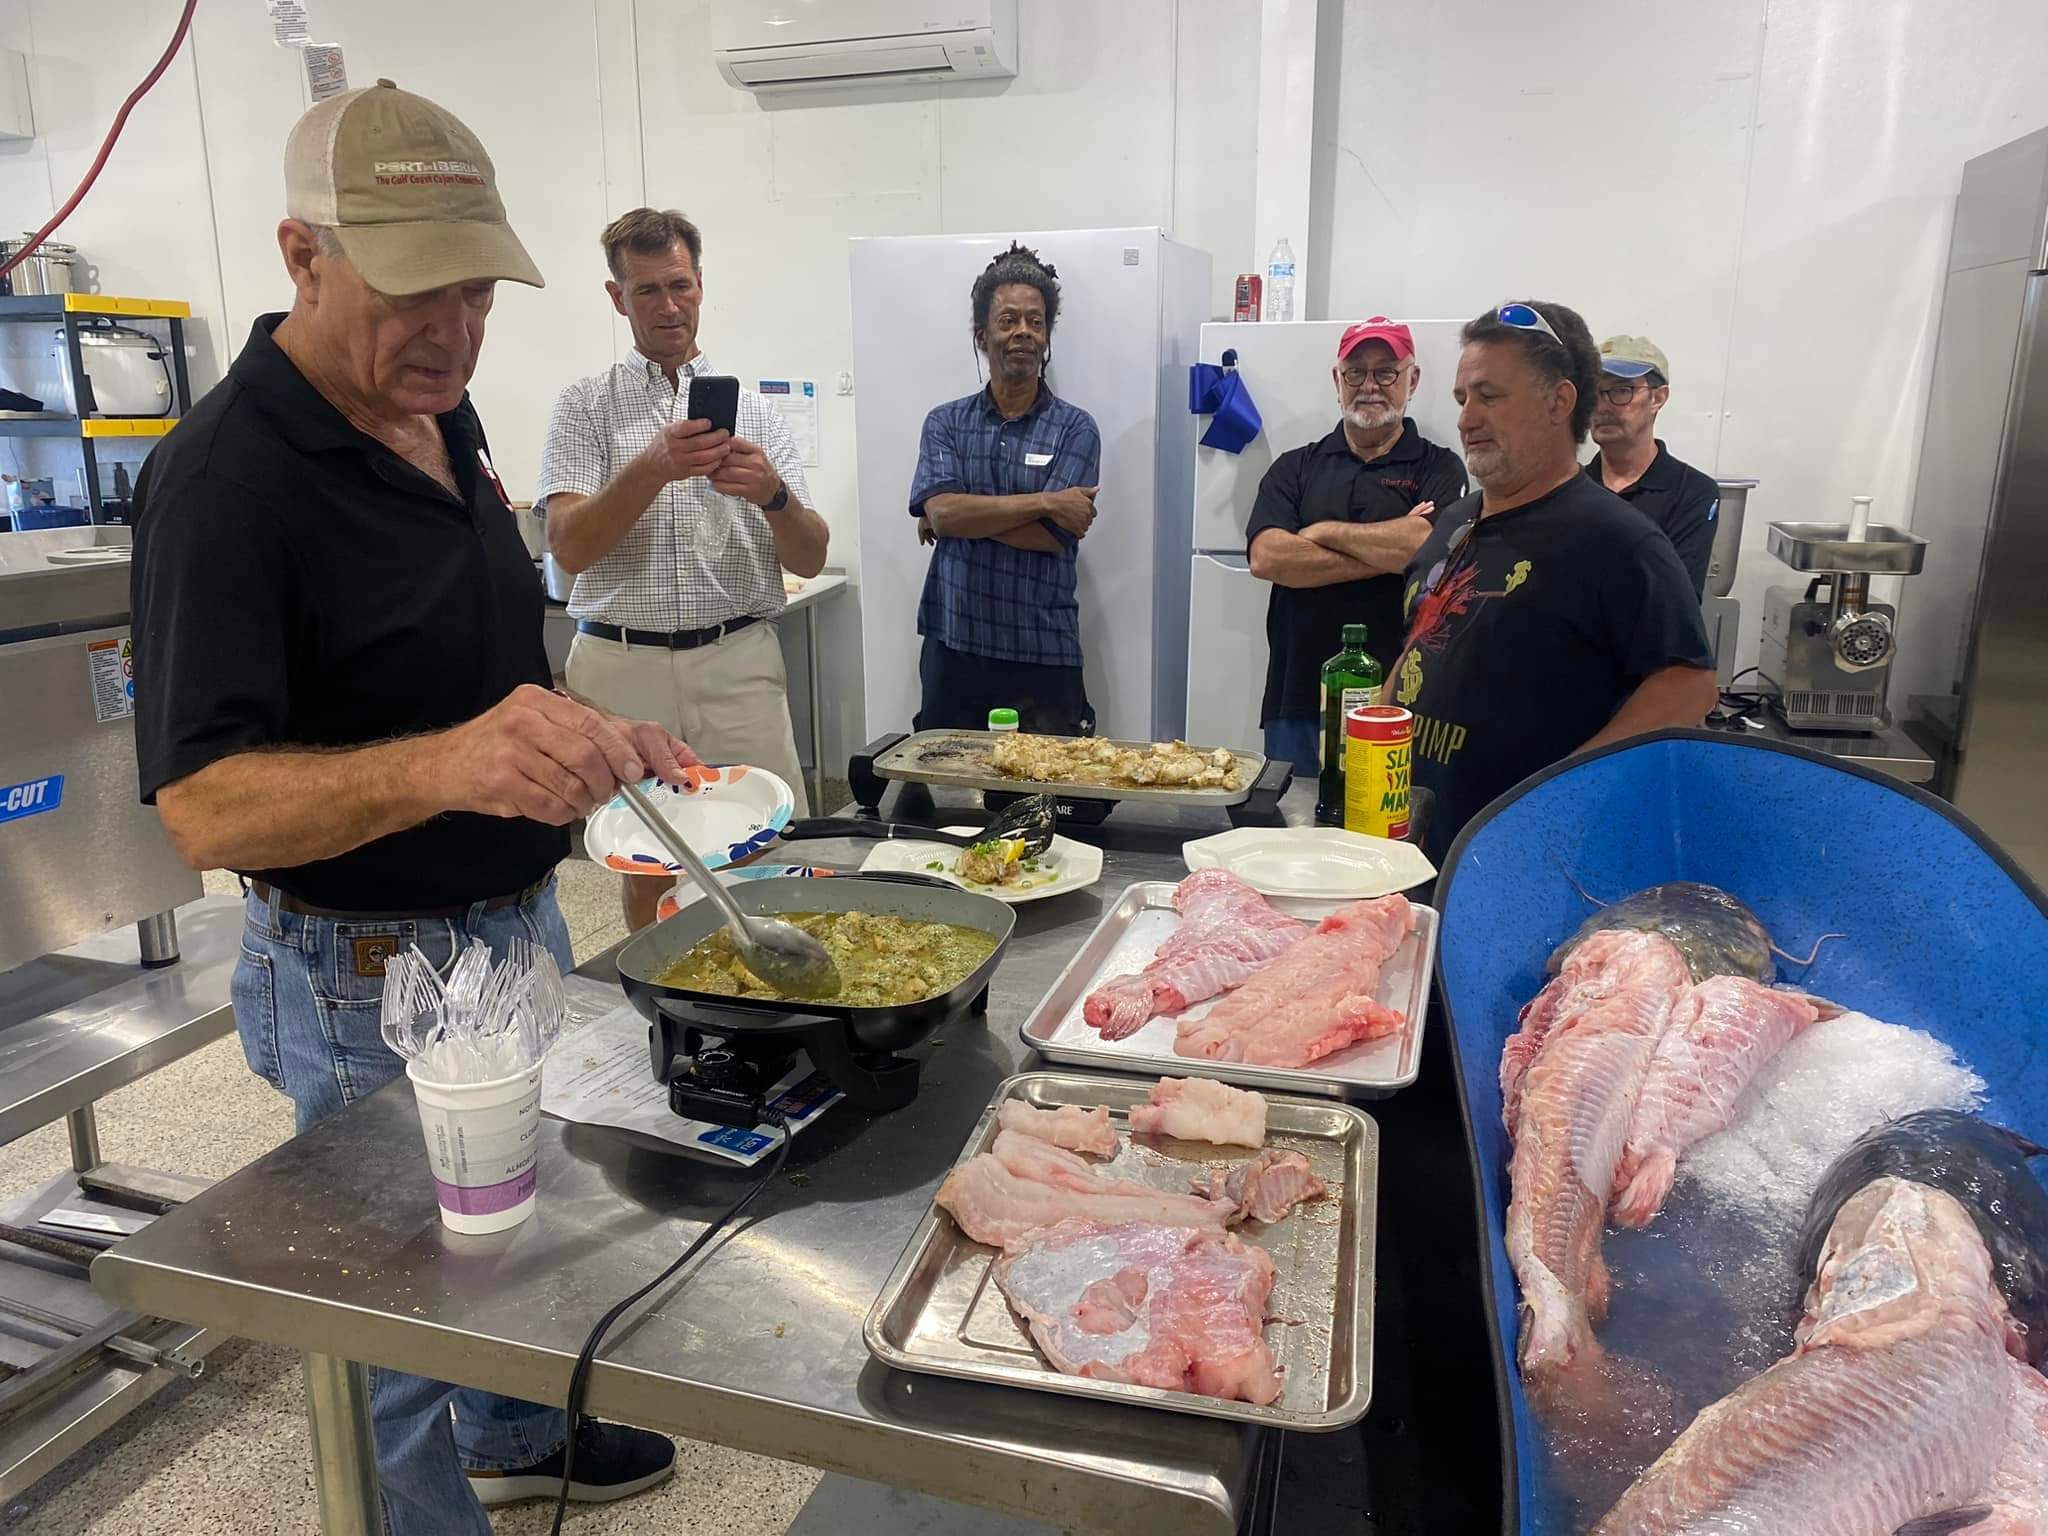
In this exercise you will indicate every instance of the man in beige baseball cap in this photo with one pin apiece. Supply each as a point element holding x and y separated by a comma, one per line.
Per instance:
<point>1634,385</point>
<point>343,695</point>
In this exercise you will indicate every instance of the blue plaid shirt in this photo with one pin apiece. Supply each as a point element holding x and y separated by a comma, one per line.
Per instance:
<point>982,596</point>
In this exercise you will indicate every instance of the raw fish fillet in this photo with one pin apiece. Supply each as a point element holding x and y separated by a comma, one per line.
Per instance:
<point>1577,1097</point>
<point>1022,1184</point>
<point>1315,999</point>
<point>1160,1306</point>
<point>1590,972</point>
<point>1894,1407</point>
<point>1227,931</point>
<point>2016,1502</point>
<point>1721,1034</point>
<point>1069,1126</point>
<point>1264,1189</point>
<point>1202,1109</point>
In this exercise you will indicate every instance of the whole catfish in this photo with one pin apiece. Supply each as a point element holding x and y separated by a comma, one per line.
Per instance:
<point>1984,1166</point>
<point>1717,934</point>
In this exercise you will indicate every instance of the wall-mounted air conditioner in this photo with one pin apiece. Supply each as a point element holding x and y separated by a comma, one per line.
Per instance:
<point>788,45</point>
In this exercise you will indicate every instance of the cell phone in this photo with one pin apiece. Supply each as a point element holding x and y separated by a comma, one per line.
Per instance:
<point>715,397</point>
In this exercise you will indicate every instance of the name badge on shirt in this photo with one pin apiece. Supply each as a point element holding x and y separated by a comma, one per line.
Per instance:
<point>1037,460</point>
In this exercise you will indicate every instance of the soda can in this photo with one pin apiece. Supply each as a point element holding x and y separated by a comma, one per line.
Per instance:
<point>1246,306</point>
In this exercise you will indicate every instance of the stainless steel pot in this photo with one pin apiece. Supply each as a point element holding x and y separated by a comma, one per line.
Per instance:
<point>49,268</point>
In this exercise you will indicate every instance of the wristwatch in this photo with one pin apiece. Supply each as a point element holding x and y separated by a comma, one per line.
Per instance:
<point>779,500</point>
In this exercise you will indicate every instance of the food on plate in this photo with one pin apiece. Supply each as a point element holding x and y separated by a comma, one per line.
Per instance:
<point>1983,1166</point>
<point>883,961</point>
<point>1021,1184</point>
<point>1182,1308</point>
<point>1201,1109</point>
<point>1094,760</point>
<point>1002,864</point>
<point>1069,1126</point>
<point>1714,931</point>
<point>1315,998</point>
<point>1265,1188</point>
<point>1572,1097</point>
<point>1720,1035</point>
<point>1895,1406</point>
<point>1227,931</point>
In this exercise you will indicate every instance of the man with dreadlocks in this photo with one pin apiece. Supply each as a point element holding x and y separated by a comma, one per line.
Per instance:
<point>1005,490</point>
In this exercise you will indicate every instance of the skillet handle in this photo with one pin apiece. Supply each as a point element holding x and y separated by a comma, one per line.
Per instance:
<point>855,826</point>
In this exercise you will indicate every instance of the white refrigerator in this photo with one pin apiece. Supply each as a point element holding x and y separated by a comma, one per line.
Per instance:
<point>1132,302</point>
<point>1286,368</point>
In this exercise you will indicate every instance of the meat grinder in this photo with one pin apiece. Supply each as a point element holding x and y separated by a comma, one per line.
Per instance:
<point>1827,651</point>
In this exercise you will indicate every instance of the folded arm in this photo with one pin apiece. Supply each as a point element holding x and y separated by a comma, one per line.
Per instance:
<point>1292,560</point>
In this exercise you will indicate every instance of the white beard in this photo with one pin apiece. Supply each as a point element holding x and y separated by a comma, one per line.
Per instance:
<point>1370,418</point>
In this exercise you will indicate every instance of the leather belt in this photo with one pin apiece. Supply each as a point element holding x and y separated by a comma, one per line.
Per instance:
<point>672,639</point>
<point>287,902</point>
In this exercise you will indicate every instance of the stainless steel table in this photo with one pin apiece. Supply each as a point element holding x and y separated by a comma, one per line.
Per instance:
<point>1887,750</point>
<point>332,1245</point>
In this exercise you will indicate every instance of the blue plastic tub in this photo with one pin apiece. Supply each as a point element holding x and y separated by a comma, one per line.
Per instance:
<point>1941,931</point>
<point>28,519</point>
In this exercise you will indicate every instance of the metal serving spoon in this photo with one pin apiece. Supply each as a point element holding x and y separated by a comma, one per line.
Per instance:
<point>780,953</point>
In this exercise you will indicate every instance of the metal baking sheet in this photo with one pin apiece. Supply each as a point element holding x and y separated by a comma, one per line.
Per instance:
<point>940,1312</point>
<point>1126,939</point>
<point>923,758</point>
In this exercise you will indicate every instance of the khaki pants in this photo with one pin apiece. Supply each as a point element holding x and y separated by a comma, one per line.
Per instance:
<point>729,700</point>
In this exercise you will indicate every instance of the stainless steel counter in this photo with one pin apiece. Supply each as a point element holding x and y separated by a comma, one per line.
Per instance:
<point>1889,750</point>
<point>76,1025</point>
<point>332,1245</point>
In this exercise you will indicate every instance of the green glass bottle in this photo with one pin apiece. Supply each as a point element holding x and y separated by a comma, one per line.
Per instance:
<point>1350,678</point>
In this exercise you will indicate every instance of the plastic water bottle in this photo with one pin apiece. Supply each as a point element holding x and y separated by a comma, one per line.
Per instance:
<point>1280,282</point>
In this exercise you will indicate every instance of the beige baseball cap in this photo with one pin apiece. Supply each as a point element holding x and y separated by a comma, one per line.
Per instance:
<point>406,188</point>
<point>1630,357</point>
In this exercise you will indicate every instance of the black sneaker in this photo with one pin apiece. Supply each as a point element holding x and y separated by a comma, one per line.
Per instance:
<point>612,1462</point>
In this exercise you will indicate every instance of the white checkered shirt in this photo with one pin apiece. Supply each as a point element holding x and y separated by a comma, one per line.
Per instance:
<point>694,558</point>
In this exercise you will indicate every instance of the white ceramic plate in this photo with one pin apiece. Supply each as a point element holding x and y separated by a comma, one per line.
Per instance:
<point>1074,866</point>
<point>1318,862</point>
<point>727,813</point>
<point>685,891</point>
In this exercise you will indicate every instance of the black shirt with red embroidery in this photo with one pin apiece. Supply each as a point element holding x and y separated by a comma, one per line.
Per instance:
<point>1325,481</point>
<point>1527,630</point>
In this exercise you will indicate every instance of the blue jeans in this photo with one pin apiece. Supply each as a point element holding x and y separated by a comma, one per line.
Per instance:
<point>1297,739</point>
<point>308,1017</point>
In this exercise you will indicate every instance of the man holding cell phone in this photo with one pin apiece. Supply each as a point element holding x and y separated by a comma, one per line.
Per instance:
<point>677,500</point>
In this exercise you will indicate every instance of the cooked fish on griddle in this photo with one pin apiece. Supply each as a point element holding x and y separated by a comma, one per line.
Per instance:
<point>1096,760</point>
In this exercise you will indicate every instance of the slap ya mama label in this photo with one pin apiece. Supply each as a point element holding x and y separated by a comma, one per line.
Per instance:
<point>1379,746</point>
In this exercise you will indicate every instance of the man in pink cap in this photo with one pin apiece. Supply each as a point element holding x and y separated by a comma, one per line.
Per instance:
<point>1335,524</point>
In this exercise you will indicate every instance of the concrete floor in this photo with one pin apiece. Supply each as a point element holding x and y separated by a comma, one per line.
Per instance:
<point>228,1453</point>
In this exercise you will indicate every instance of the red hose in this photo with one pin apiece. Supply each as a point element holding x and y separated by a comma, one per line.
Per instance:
<point>113,133</point>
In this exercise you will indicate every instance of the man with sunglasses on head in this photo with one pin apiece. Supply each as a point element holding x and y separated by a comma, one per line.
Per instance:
<point>1635,382</point>
<point>1335,524</point>
<point>1545,617</point>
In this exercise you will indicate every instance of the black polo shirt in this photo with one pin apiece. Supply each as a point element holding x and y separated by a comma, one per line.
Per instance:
<point>297,583</point>
<point>1325,482</point>
<point>1527,630</point>
<point>1681,501</point>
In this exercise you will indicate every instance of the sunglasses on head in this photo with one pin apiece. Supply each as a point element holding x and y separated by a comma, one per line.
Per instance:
<point>1524,317</point>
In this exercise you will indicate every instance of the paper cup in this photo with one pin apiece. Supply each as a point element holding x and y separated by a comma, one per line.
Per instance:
<point>481,1141</point>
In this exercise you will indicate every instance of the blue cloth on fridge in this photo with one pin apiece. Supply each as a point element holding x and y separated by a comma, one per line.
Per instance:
<point>1218,392</point>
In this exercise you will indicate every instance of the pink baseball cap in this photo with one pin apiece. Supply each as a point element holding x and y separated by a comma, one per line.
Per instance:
<point>1378,328</point>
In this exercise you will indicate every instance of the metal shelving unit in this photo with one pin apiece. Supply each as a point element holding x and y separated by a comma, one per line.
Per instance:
<point>68,310</point>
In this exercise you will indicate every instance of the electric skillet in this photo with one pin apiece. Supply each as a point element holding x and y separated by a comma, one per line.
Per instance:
<point>721,1056</point>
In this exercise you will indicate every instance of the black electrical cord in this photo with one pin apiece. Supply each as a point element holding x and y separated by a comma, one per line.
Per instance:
<point>579,1378</point>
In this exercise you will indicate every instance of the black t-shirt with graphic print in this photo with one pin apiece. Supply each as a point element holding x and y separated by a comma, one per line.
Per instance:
<point>1527,630</point>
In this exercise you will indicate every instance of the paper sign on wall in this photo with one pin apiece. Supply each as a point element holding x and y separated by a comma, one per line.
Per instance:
<point>797,401</point>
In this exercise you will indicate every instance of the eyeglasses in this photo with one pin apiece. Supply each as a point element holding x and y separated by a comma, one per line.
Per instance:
<point>1524,317</point>
<point>1384,377</point>
<point>1621,394</point>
